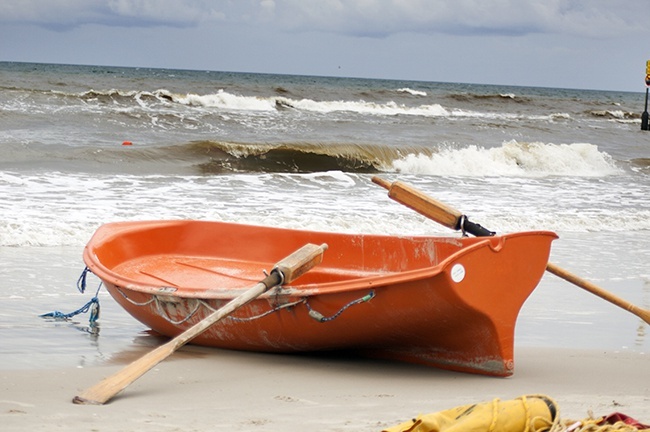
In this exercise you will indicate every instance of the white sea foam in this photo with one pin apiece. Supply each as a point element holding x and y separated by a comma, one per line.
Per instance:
<point>412,92</point>
<point>161,101</point>
<point>512,159</point>
<point>363,107</point>
<point>63,209</point>
<point>226,100</point>
<point>229,101</point>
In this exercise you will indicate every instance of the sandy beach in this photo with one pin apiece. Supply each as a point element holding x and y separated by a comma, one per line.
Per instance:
<point>200,389</point>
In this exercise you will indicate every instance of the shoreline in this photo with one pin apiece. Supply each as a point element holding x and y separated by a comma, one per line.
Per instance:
<point>205,389</point>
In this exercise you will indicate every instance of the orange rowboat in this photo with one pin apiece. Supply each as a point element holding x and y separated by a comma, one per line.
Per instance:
<point>438,301</point>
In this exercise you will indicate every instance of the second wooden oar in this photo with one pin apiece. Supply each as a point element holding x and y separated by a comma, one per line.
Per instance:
<point>454,219</point>
<point>285,271</point>
<point>644,314</point>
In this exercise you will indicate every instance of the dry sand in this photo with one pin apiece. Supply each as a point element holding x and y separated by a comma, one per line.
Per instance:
<point>200,389</point>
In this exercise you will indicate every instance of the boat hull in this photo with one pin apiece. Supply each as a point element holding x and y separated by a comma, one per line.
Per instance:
<point>439,301</point>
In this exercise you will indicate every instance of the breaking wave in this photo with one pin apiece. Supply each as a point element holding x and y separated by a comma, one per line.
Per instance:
<point>412,92</point>
<point>513,159</point>
<point>161,101</point>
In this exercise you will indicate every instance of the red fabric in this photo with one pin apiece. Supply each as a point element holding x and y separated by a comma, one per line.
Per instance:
<point>618,417</point>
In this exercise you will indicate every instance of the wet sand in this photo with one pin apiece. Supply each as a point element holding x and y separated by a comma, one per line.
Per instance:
<point>200,389</point>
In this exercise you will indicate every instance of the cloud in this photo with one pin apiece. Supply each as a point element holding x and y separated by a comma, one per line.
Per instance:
<point>179,12</point>
<point>67,14</point>
<point>379,18</point>
<point>594,18</point>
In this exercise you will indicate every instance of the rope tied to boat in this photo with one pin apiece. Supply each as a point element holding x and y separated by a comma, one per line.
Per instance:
<point>92,305</point>
<point>461,224</point>
<point>160,305</point>
<point>321,318</point>
<point>81,282</point>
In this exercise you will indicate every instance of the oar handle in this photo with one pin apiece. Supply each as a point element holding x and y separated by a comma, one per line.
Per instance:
<point>431,208</point>
<point>299,262</point>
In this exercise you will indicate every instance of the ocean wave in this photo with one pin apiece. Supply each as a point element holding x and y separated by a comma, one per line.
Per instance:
<point>490,97</point>
<point>513,159</point>
<point>615,114</point>
<point>205,158</point>
<point>412,92</point>
<point>162,101</point>
<point>227,101</point>
<point>291,157</point>
<point>118,96</point>
<point>641,165</point>
<point>559,116</point>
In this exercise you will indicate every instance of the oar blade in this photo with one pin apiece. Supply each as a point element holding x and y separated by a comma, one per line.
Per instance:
<point>107,388</point>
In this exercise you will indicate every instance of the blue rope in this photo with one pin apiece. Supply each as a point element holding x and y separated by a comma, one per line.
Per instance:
<point>92,305</point>
<point>81,282</point>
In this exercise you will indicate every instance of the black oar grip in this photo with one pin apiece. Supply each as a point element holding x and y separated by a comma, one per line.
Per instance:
<point>465,225</point>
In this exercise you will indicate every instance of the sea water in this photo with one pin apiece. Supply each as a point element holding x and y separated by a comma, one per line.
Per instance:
<point>85,145</point>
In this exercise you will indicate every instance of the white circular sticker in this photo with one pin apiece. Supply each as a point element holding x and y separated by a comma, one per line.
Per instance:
<point>457,273</point>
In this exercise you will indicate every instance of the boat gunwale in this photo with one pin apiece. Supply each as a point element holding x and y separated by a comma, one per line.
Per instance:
<point>299,290</point>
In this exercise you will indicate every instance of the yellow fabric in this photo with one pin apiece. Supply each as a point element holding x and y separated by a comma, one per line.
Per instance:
<point>524,414</point>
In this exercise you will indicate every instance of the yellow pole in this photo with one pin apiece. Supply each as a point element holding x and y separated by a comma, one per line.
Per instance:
<point>644,116</point>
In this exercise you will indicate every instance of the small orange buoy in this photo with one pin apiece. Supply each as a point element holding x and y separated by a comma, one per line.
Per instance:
<point>127,143</point>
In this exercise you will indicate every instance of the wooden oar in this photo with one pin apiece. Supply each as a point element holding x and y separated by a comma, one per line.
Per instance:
<point>644,314</point>
<point>454,219</point>
<point>284,271</point>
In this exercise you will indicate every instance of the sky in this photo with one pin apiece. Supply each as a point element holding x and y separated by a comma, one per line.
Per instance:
<point>582,44</point>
